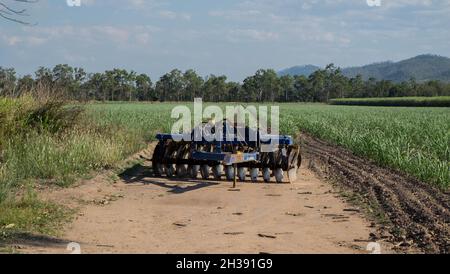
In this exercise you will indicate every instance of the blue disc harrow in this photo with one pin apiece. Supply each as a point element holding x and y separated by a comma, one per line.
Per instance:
<point>226,150</point>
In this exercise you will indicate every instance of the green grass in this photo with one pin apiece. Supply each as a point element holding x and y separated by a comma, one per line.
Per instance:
<point>413,140</point>
<point>36,151</point>
<point>50,143</point>
<point>440,101</point>
<point>30,215</point>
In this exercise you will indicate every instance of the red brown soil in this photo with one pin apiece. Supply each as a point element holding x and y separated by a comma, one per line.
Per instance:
<point>138,213</point>
<point>418,212</point>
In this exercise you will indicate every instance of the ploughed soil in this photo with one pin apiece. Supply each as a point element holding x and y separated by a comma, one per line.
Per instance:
<point>415,213</point>
<point>135,212</point>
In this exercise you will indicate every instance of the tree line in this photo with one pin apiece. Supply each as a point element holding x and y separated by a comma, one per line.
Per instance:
<point>264,86</point>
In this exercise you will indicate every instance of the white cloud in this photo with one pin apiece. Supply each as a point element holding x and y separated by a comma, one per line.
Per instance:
<point>238,35</point>
<point>167,14</point>
<point>97,34</point>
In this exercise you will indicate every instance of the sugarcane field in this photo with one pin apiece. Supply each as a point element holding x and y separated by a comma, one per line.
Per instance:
<point>191,129</point>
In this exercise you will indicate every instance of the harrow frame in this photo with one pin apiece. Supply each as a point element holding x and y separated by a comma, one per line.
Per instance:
<point>269,152</point>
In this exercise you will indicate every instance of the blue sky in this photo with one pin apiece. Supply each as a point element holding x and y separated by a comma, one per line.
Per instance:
<point>228,37</point>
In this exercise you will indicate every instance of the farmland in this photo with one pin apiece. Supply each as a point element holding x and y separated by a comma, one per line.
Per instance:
<point>412,140</point>
<point>439,101</point>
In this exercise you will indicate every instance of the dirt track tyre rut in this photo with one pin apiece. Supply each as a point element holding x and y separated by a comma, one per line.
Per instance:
<point>416,209</point>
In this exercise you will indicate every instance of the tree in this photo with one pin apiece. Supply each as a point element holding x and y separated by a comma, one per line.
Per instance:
<point>233,92</point>
<point>384,89</point>
<point>77,90</point>
<point>12,14</point>
<point>170,85</point>
<point>287,88</point>
<point>302,89</point>
<point>62,76</point>
<point>25,84</point>
<point>128,84</point>
<point>263,86</point>
<point>317,82</point>
<point>269,85</point>
<point>7,82</point>
<point>356,87</point>
<point>192,85</point>
<point>215,88</point>
<point>144,90</point>
<point>44,80</point>
<point>95,87</point>
<point>250,90</point>
<point>121,83</point>
<point>337,83</point>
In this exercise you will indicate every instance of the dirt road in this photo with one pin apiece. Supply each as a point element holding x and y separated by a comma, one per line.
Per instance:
<point>142,214</point>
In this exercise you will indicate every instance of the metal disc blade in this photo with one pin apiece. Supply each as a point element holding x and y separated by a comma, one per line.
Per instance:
<point>170,170</point>
<point>254,172</point>
<point>279,175</point>
<point>158,169</point>
<point>204,170</point>
<point>242,172</point>
<point>193,171</point>
<point>292,175</point>
<point>266,174</point>
<point>217,172</point>
<point>181,170</point>
<point>229,173</point>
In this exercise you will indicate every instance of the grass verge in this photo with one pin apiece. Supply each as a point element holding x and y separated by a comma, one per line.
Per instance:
<point>29,215</point>
<point>50,143</point>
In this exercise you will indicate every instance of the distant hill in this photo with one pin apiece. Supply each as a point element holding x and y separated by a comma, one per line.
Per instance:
<point>422,68</point>
<point>299,70</point>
